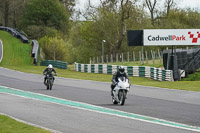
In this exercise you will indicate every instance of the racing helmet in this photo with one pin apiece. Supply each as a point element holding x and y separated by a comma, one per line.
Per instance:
<point>50,66</point>
<point>121,69</point>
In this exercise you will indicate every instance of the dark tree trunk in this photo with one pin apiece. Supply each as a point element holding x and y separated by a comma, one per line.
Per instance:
<point>6,10</point>
<point>125,15</point>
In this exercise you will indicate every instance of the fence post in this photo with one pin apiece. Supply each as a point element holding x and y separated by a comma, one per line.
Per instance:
<point>140,57</point>
<point>90,60</point>
<point>146,56</point>
<point>116,57</point>
<point>97,59</point>
<point>159,55</point>
<point>133,56</point>
<point>106,58</point>
<point>122,57</point>
<point>93,60</point>
<point>111,56</point>
<point>152,54</point>
<point>127,56</point>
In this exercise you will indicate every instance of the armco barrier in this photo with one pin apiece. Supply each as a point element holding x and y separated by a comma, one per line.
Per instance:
<point>136,71</point>
<point>35,47</point>
<point>15,33</point>
<point>1,51</point>
<point>57,64</point>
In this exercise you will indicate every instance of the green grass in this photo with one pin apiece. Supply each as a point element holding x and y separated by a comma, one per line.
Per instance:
<point>193,77</point>
<point>9,125</point>
<point>15,53</point>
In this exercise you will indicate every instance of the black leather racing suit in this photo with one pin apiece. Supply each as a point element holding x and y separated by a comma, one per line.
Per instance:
<point>48,71</point>
<point>114,80</point>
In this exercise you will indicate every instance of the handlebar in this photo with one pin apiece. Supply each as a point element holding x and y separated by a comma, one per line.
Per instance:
<point>49,74</point>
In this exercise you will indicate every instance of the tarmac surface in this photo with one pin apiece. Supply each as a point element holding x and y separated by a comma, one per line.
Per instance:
<point>157,103</point>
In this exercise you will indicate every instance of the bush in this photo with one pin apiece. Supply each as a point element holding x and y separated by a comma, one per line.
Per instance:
<point>54,48</point>
<point>36,32</point>
<point>193,77</point>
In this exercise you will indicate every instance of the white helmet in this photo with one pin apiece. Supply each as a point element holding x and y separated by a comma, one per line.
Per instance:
<point>121,69</point>
<point>50,66</point>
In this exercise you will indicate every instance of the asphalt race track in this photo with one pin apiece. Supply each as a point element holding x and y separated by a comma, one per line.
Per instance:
<point>178,110</point>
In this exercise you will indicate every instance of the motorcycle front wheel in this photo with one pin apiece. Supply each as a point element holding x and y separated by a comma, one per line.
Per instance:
<point>48,84</point>
<point>122,97</point>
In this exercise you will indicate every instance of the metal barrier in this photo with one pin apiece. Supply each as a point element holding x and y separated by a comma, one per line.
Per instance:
<point>34,53</point>
<point>136,71</point>
<point>15,33</point>
<point>1,51</point>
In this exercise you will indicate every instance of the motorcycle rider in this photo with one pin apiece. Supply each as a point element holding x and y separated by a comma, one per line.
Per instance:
<point>120,73</point>
<point>48,71</point>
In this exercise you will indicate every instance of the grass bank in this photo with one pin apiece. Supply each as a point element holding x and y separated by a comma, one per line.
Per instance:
<point>15,53</point>
<point>9,125</point>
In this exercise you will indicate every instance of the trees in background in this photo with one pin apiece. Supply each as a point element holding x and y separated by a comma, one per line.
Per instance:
<point>69,5</point>
<point>152,9</point>
<point>46,14</point>
<point>12,12</point>
<point>52,21</point>
<point>109,21</point>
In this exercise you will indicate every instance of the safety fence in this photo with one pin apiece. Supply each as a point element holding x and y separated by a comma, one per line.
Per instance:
<point>15,33</point>
<point>1,51</point>
<point>34,53</point>
<point>24,39</point>
<point>55,63</point>
<point>147,57</point>
<point>136,71</point>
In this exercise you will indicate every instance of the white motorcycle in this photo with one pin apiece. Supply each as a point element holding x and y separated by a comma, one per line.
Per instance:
<point>120,91</point>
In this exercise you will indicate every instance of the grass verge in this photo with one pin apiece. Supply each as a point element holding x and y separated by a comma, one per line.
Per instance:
<point>193,77</point>
<point>14,51</point>
<point>9,125</point>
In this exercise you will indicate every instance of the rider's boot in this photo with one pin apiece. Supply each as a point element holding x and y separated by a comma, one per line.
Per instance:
<point>111,87</point>
<point>45,82</point>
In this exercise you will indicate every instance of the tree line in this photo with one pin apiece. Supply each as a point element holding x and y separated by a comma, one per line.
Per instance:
<point>70,35</point>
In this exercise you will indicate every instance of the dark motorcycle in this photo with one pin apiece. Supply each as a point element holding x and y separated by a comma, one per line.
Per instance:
<point>49,81</point>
